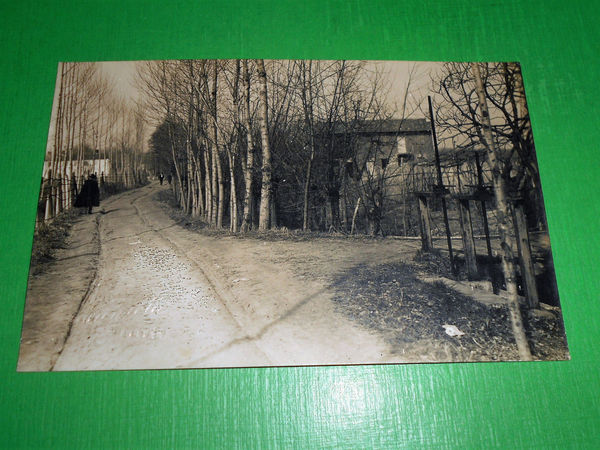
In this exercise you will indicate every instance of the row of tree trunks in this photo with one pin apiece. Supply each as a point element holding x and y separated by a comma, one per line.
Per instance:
<point>306,102</point>
<point>213,127</point>
<point>84,123</point>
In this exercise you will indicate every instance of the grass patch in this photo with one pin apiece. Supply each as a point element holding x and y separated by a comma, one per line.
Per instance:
<point>50,237</point>
<point>409,313</point>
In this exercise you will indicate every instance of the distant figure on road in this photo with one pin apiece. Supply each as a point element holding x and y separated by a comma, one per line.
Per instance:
<point>161,177</point>
<point>169,178</point>
<point>89,195</point>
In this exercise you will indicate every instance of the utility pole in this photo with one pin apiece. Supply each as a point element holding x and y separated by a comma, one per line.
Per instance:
<point>440,187</point>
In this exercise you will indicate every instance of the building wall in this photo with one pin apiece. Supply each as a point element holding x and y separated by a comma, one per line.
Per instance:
<point>88,166</point>
<point>419,145</point>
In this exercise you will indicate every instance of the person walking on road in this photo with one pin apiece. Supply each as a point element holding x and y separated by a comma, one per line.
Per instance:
<point>161,177</point>
<point>89,195</point>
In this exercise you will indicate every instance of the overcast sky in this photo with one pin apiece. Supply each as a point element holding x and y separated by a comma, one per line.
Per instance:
<point>123,74</point>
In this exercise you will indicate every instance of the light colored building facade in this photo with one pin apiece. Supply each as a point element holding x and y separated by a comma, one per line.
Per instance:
<point>81,168</point>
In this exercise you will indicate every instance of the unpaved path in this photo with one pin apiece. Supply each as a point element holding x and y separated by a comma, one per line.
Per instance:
<point>164,297</point>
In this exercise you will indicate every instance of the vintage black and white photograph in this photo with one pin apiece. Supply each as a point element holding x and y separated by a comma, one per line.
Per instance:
<point>256,213</point>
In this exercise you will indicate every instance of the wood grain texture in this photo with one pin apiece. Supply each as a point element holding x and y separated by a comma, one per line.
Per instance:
<point>540,404</point>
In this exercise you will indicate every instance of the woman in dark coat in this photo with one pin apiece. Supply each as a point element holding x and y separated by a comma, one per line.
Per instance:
<point>90,194</point>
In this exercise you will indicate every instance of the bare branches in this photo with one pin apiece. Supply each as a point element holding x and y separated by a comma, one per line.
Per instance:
<point>311,108</point>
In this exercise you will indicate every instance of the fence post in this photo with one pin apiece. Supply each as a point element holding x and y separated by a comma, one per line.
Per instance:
<point>466,228</point>
<point>425,222</point>
<point>525,259</point>
<point>441,188</point>
<point>49,206</point>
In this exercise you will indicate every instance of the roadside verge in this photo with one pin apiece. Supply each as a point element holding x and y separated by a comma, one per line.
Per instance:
<point>55,294</point>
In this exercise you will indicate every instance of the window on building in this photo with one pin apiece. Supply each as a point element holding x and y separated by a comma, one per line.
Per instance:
<point>349,168</point>
<point>403,158</point>
<point>401,144</point>
<point>370,166</point>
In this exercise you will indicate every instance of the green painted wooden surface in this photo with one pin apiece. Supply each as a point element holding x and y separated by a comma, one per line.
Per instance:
<point>550,404</point>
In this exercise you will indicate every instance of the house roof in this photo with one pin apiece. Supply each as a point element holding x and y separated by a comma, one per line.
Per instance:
<point>384,126</point>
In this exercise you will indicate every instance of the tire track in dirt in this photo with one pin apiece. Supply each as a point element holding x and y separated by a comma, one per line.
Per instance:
<point>94,279</point>
<point>290,316</point>
<point>150,306</point>
<point>218,289</point>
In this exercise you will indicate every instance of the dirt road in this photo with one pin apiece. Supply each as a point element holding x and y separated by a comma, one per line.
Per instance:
<point>164,298</point>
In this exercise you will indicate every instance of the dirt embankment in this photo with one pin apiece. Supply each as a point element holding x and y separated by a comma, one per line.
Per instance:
<point>376,284</point>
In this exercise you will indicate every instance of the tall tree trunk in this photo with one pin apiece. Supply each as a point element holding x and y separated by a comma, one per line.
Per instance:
<point>221,203</point>
<point>344,206</point>
<point>333,195</point>
<point>353,227</point>
<point>247,220</point>
<point>208,198</point>
<point>273,217</point>
<point>307,103</point>
<point>216,172</point>
<point>189,183</point>
<point>264,221</point>
<point>233,201</point>
<point>178,174</point>
<point>193,199</point>
<point>58,130</point>
<point>197,198</point>
<point>306,206</point>
<point>232,151</point>
<point>214,180</point>
<point>504,222</point>
<point>221,180</point>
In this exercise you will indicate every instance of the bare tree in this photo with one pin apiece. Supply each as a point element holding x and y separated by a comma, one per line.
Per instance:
<point>306,90</point>
<point>308,105</point>
<point>248,200</point>
<point>509,119</point>
<point>504,222</point>
<point>265,196</point>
